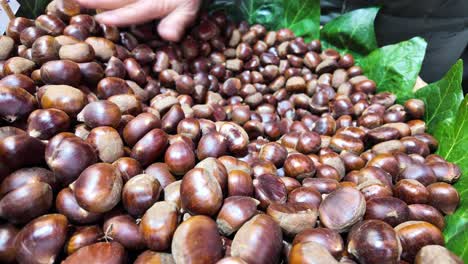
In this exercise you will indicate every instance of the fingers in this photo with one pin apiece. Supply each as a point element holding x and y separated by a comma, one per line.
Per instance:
<point>134,13</point>
<point>104,4</point>
<point>173,26</point>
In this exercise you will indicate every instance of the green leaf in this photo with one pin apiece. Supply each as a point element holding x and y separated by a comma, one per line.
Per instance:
<point>452,134</point>
<point>395,67</point>
<point>352,32</point>
<point>303,17</point>
<point>32,8</point>
<point>443,97</point>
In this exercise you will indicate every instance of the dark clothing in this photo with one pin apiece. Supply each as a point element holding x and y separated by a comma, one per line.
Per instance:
<point>442,23</point>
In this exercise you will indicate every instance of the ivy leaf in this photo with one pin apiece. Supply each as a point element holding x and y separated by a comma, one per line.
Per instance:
<point>32,8</point>
<point>452,134</point>
<point>395,67</point>
<point>443,97</point>
<point>303,17</point>
<point>352,32</point>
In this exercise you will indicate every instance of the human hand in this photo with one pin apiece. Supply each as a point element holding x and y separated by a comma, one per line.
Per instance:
<point>175,15</point>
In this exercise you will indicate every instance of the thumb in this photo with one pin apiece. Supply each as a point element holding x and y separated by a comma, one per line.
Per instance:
<point>173,26</point>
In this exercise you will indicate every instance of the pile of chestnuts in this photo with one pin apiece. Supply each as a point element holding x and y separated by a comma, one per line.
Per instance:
<point>236,145</point>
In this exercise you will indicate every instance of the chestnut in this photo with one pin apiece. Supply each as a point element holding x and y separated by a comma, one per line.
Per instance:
<point>188,246</point>
<point>44,49</point>
<point>26,176</point>
<point>200,192</point>
<point>42,239</point>
<point>124,229</point>
<point>139,126</point>
<point>61,72</point>
<point>445,171</point>
<point>322,185</point>
<point>107,143</point>
<point>110,86</point>
<point>444,197</point>
<point>299,166</point>
<point>310,253</point>
<point>46,123</point>
<point>160,171</point>
<point>414,235</point>
<point>63,97</point>
<point>172,193</point>
<point>328,238</point>
<point>83,236</point>
<point>101,252</point>
<point>258,241</point>
<point>420,172</point>
<point>306,195</point>
<point>411,191</point>
<point>103,48</point>
<point>15,151</point>
<point>100,113</point>
<point>216,169</point>
<point>211,144</point>
<point>273,152</point>
<point>140,193</point>
<point>415,108</point>
<point>67,205</point>
<point>236,210</point>
<point>433,254</point>
<point>424,212</point>
<point>19,81</point>
<point>8,233</point>
<point>293,218</point>
<point>269,189</point>
<point>98,188</point>
<point>240,183</point>
<point>391,210</point>
<point>150,147</point>
<point>373,241</point>
<point>79,53</point>
<point>179,158</point>
<point>63,148</point>
<point>342,208</point>
<point>231,260</point>
<point>26,202</point>
<point>154,257</point>
<point>15,103</point>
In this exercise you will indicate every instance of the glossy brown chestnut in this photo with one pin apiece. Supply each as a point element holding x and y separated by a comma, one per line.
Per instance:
<point>42,239</point>
<point>424,212</point>
<point>29,201</point>
<point>391,210</point>
<point>98,188</point>
<point>342,208</point>
<point>307,195</point>
<point>444,197</point>
<point>125,230</point>
<point>15,151</point>
<point>258,241</point>
<point>140,193</point>
<point>46,123</point>
<point>269,189</point>
<point>107,143</point>
<point>411,191</point>
<point>179,158</point>
<point>67,205</point>
<point>15,103</point>
<point>82,237</point>
<point>63,97</point>
<point>100,113</point>
<point>7,245</point>
<point>374,241</point>
<point>158,225</point>
<point>235,211</point>
<point>414,235</point>
<point>102,252</point>
<point>63,148</point>
<point>293,218</point>
<point>240,183</point>
<point>150,147</point>
<point>188,246</point>
<point>310,253</point>
<point>328,238</point>
<point>299,166</point>
<point>201,193</point>
<point>211,144</point>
